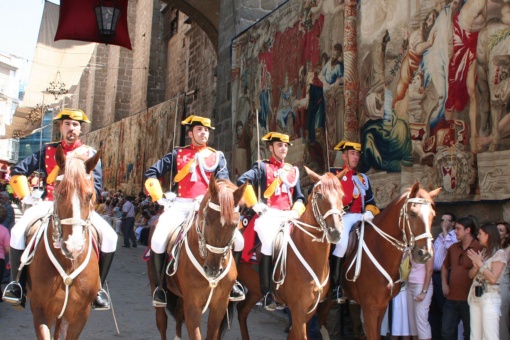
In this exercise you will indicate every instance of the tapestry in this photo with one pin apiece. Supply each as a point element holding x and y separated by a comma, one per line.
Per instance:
<point>130,146</point>
<point>431,84</point>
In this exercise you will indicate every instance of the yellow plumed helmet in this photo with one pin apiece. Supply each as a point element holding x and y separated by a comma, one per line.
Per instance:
<point>197,120</point>
<point>346,145</point>
<point>276,137</point>
<point>74,114</point>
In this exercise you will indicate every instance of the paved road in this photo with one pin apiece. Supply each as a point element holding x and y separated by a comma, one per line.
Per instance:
<point>131,298</point>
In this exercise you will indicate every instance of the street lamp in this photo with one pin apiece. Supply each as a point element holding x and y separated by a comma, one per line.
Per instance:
<point>107,16</point>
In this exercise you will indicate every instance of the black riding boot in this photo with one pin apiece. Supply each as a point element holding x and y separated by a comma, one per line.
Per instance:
<point>158,262</point>
<point>237,293</point>
<point>265,271</point>
<point>337,293</point>
<point>102,301</point>
<point>14,292</point>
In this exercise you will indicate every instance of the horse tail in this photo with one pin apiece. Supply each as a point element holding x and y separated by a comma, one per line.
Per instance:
<point>228,318</point>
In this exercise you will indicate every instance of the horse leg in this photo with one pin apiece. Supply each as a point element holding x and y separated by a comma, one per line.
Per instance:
<point>41,324</point>
<point>299,320</point>
<point>372,320</point>
<point>216,314</point>
<point>161,322</point>
<point>193,315</point>
<point>243,310</point>
<point>74,330</point>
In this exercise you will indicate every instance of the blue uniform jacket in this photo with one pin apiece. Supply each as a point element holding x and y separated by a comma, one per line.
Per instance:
<point>257,177</point>
<point>35,162</point>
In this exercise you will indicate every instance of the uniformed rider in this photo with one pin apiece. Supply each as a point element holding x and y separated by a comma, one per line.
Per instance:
<point>281,188</point>
<point>358,204</point>
<point>44,161</point>
<point>192,166</point>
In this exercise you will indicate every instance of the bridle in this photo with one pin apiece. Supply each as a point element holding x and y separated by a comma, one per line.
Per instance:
<point>404,245</point>
<point>58,222</point>
<point>319,217</point>
<point>203,246</point>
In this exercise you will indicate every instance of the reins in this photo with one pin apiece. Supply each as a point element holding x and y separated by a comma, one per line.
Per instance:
<point>203,247</point>
<point>282,255</point>
<point>405,244</point>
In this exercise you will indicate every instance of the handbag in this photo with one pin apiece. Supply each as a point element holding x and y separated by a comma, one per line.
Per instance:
<point>405,266</point>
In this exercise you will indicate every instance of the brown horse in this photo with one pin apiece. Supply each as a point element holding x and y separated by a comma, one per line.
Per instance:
<point>404,223</point>
<point>63,278</point>
<point>206,271</point>
<point>306,278</point>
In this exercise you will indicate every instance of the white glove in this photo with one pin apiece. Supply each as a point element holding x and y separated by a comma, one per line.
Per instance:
<point>368,216</point>
<point>167,200</point>
<point>260,208</point>
<point>293,215</point>
<point>30,200</point>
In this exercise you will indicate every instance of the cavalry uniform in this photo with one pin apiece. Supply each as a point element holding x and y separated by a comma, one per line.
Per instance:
<point>192,166</point>
<point>358,203</point>
<point>44,161</point>
<point>280,184</point>
<point>358,198</point>
<point>281,188</point>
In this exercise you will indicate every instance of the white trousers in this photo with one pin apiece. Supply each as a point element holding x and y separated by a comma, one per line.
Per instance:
<point>348,220</point>
<point>107,236</point>
<point>267,226</point>
<point>418,311</point>
<point>484,315</point>
<point>173,218</point>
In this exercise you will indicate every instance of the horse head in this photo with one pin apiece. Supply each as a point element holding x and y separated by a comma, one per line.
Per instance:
<point>74,198</point>
<point>420,213</point>
<point>218,218</point>
<point>326,201</point>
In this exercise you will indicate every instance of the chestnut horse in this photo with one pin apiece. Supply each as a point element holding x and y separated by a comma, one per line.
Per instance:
<point>63,277</point>
<point>305,280</point>
<point>205,270</point>
<point>371,270</point>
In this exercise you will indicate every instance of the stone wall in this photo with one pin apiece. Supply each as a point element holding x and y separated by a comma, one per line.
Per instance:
<point>235,17</point>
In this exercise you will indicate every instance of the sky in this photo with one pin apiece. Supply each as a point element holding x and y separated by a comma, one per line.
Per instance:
<point>19,26</point>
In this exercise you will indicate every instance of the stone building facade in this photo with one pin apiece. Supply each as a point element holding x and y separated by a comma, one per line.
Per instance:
<point>178,53</point>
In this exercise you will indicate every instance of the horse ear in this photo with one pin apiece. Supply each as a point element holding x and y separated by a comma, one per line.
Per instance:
<point>435,192</point>
<point>60,157</point>
<point>341,174</point>
<point>239,193</point>
<point>212,185</point>
<point>313,176</point>
<point>90,163</point>
<point>414,189</point>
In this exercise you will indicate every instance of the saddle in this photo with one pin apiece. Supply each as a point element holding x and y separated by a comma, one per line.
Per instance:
<point>353,239</point>
<point>175,242</point>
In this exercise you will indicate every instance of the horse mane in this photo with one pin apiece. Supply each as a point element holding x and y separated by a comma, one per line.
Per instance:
<point>75,180</point>
<point>330,184</point>
<point>225,189</point>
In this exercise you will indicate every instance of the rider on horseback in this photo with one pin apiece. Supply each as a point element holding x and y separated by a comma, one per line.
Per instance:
<point>358,203</point>
<point>44,161</point>
<point>192,166</point>
<point>279,181</point>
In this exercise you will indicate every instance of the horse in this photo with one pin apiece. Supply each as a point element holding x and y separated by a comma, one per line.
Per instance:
<point>204,271</point>
<point>63,278</point>
<point>303,279</point>
<point>371,267</point>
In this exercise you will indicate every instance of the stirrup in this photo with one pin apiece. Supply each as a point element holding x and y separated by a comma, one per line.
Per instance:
<point>338,296</point>
<point>237,292</point>
<point>159,301</point>
<point>18,302</point>
<point>269,303</point>
<point>103,295</point>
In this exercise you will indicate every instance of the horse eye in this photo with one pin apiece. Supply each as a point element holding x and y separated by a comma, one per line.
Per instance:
<point>413,214</point>
<point>319,195</point>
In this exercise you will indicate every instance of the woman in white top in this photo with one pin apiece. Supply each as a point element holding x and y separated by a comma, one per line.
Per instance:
<point>504,322</point>
<point>484,296</point>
